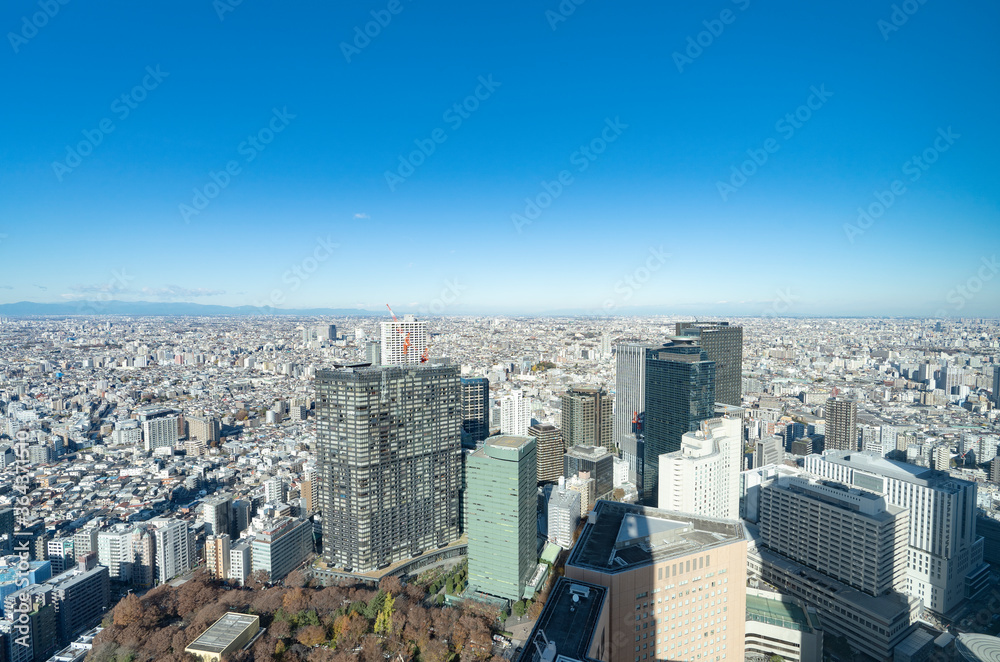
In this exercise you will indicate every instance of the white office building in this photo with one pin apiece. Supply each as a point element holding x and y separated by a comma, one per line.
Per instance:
<point>563,515</point>
<point>703,477</point>
<point>945,556</point>
<point>515,414</point>
<point>403,341</point>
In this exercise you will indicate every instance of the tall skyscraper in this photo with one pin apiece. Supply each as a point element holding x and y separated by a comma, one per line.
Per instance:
<point>630,404</point>
<point>841,425</point>
<point>724,345</point>
<point>586,418</point>
<point>403,341</point>
<point>515,414</point>
<point>703,477</point>
<point>475,410</point>
<point>550,451</point>
<point>680,394</point>
<point>503,516</point>
<point>389,462</point>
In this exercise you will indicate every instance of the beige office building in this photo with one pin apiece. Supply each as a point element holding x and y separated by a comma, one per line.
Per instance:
<point>677,582</point>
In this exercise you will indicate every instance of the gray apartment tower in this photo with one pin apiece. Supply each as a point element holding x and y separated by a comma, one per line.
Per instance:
<point>475,411</point>
<point>586,418</point>
<point>680,394</point>
<point>389,462</point>
<point>630,404</point>
<point>841,425</point>
<point>724,345</point>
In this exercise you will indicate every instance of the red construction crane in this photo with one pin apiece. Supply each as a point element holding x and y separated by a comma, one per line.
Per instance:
<point>394,318</point>
<point>406,345</point>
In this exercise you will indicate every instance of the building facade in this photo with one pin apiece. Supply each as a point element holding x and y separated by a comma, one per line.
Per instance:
<point>403,341</point>
<point>841,416</point>
<point>724,345</point>
<point>703,476</point>
<point>587,418</point>
<point>550,451</point>
<point>502,516</point>
<point>680,393</point>
<point>475,410</point>
<point>389,462</point>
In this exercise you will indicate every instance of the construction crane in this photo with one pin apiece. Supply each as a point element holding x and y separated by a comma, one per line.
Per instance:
<point>406,345</point>
<point>394,318</point>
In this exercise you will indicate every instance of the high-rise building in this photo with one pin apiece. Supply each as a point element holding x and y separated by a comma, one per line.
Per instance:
<point>114,551</point>
<point>217,548</point>
<point>240,563</point>
<point>61,554</point>
<point>550,451</point>
<point>373,352</point>
<point>945,558</point>
<point>996,386</point>
<point>160,432</point>
<point>630,404</point>
<point>851,535</point>
<point>680,394</point>
<point>175,552</point>
<point>502,516</point>
<point>724,345</point>
<point>563,515</point>
<point>586,418</point>
<point>841,416</point>
<point>703,477</point>
<point>279,545</point>
<point>597,462</point>
<point>80,596</point>
<point>389,462</point>
<point>275,490</point>
<point>515,414</point>
<point>769,450</point>
<point>217,514</point>
<point>475,410</point>
<point>204,428</point>
<point>403,341</point>
<point>6,530</point>
<point>668,574</point>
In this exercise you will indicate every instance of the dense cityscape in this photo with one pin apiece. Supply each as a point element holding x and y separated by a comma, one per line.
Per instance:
<point>608,489</point>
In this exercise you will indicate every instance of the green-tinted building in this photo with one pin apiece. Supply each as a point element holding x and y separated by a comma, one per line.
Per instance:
<point>502,516</point>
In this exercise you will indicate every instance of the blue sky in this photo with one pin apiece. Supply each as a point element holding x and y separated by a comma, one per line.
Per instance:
<point>309,217</point>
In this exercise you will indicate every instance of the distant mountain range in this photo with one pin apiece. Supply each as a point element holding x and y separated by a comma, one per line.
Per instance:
<point>152,308</point>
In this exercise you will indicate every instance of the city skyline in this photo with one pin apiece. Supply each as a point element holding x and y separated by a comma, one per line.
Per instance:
<point>623,128</point>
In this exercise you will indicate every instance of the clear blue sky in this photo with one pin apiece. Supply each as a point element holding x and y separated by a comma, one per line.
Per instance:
<point>779,236</point>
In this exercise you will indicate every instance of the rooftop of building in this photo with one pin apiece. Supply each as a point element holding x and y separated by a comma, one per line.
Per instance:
<point>979,647</point>
<point>874,463</point>
<point>786,614</point>
<point>566,624</point>
<point>224,632</point>
<point>588,452</point>
<point>508,441</point>
<point>622,536</point>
